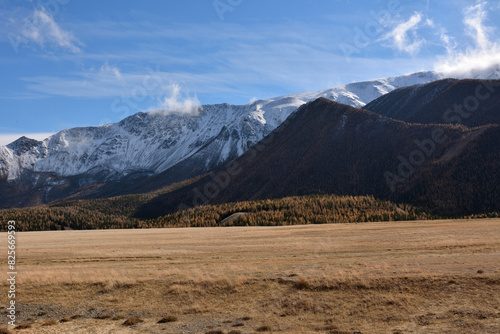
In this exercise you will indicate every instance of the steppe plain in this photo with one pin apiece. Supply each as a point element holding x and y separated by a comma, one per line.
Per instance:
<point>391,277</point>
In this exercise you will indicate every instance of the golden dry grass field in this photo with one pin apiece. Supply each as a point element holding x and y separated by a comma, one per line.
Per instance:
<point>394,277</point>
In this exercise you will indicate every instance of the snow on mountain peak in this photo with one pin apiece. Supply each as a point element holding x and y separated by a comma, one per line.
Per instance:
<point>152,142</point>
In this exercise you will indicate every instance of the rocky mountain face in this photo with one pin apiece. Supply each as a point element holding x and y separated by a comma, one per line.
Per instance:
<point>156,146</point>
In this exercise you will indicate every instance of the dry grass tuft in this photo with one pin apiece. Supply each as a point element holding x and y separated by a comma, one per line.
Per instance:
<point>63,320</point>
<point>23,326</point>
<point>178,289</point>
<point>194,309</point>
<point>220,285</point>
<point>132,321</point>
<point>264,328</point>
<point>118,317</point>
<point>299,305</point>
<point>301,283</point>
<point>103,316</point>
<point>50,322</point>
<point>170,318</point>
<point>234,331</point>
<point>4,330</point>
<point>113,284</point>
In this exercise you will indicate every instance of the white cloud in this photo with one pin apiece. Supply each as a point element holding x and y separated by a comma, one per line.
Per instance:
<point>143,84</point>
<point>276,67</point>
<point>404,35</point>
<point>6,139</point>
<point>480,60</point>
<point>177,102</point>
<point>107,69</point>
<point>474,20</point>
<point>42,29</point>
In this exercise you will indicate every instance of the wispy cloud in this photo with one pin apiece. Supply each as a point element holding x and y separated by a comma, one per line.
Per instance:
<point>404,37</point>
<point>264,72</point>
<point>477,60</point>
<point>41,28</point>
<point>107,69</point>
<point>447,41</point>
<point>474,20</point>
<point>177,101</point>
<point>104,84</point>
<point>264,61</point>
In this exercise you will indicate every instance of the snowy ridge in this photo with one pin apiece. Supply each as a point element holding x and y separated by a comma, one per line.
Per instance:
<point>361,93</point>
<point>152,142</point>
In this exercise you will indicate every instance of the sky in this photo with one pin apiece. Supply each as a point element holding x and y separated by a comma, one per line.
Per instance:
<point>71,63</point>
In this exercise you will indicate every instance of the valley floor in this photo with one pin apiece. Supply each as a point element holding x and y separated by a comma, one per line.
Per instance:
<point>394,277</point>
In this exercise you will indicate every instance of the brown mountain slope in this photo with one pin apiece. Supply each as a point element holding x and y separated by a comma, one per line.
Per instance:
<point>326,147</point>
<point>467,102</point>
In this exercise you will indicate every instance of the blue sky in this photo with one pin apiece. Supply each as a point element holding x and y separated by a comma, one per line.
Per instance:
<point>68,63</point>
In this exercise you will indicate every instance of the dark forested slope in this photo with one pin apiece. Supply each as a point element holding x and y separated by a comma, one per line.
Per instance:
<point>330,148</point>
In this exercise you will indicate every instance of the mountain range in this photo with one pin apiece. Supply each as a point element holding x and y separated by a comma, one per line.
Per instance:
<point>330,148</point>
<point>153,149</point>
<point>149,150</point>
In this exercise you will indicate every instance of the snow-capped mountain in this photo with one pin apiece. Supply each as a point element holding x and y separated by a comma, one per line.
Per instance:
<point>154,142</point>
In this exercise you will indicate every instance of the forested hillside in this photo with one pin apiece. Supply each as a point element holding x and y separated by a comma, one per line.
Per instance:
<point>118,213</point>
